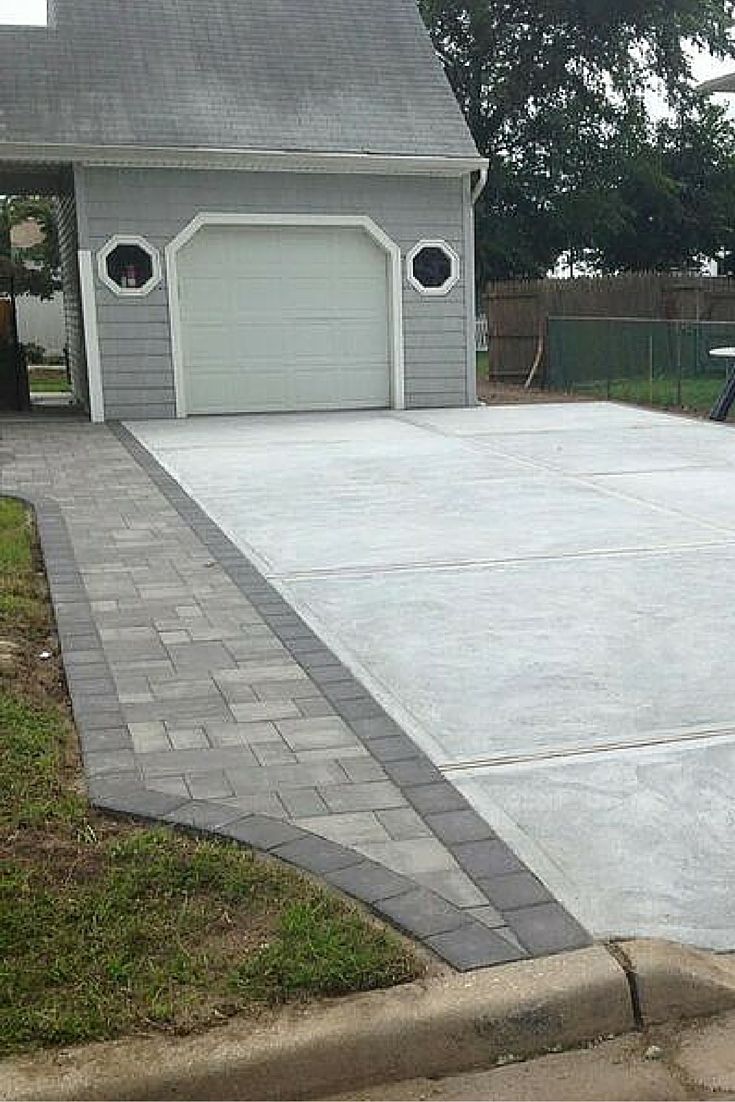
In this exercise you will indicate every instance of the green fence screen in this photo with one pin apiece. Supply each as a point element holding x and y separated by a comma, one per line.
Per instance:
<point>661,363</point>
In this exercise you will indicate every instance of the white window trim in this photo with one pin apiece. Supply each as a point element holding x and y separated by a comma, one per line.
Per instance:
<point>129,239</point>
<point>346,221</point>
<point>452,281</point>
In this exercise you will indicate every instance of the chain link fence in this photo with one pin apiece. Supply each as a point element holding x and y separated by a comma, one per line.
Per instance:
<point>658,363</point>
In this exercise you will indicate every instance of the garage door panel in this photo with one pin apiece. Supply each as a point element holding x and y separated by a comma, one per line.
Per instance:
<point>215,353</point>
<point>206,300</point>
<point>280,318</point>
<point>290,297</point>
<point>316,390</point>
<point>316,340</point>
<point>264,389</point>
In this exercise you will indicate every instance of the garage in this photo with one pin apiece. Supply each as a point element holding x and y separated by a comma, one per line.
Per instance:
<point>275,318</point>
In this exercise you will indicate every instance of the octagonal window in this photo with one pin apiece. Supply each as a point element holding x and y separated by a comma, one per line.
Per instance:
<point>129,266</point>
<point>433,267</point>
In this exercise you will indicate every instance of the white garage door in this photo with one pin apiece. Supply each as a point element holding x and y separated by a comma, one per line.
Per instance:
<point>284,318</point>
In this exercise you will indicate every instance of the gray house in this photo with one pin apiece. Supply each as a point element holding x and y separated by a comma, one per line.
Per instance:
<point>265,205</point>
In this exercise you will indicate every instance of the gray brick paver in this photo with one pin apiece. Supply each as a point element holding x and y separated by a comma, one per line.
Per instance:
<point>303,803</point>
<point>265,710</point>
<point>191,675</point>
<point>194,738</point>
<point>377,796</point>
<point>209,786</point>
<point>403,823</point>
<point>273,753</point>
<point>249,777</point>
<point>241,734</point>
<point>168,762</point>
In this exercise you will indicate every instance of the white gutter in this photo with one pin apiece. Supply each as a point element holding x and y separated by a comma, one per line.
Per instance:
<point>252,160</point>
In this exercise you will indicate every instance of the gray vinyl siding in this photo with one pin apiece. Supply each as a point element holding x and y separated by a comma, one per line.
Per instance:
<point>68,248</point>
<point>134,333</point>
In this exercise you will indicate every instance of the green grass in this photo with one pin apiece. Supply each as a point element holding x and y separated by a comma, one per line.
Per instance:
<point>16,555</point>
<point>697,394</point>
<point>45,381</point>
<point>108,929</point>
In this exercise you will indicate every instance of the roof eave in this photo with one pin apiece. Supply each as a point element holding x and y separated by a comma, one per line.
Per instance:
<point>719,84</point>
<point>248,160</point>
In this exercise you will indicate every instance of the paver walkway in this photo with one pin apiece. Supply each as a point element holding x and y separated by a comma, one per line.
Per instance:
<point>203,700</point>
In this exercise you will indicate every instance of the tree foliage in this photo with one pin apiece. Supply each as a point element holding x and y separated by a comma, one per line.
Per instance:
<point>674,201</point>
<point>34,270</point>
<point>558,95</point>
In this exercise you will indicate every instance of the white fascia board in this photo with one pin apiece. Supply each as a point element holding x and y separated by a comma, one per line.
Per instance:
<point>250,160</point>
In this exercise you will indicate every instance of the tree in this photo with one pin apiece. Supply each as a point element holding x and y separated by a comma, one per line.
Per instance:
<point>674,204</point>
<point>35,271</point>
<point>557,94</point>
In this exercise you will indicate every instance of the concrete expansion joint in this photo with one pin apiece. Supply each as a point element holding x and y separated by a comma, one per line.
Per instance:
<point>618,953</point>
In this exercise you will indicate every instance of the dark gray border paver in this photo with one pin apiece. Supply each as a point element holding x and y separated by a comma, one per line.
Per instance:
<point>535,924</point>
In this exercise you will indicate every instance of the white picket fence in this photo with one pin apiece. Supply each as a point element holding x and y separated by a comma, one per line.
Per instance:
<point>481,333</point>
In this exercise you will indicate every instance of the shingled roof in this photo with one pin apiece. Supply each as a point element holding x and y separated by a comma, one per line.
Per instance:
<point>719,84</point>
<point>314,76</point>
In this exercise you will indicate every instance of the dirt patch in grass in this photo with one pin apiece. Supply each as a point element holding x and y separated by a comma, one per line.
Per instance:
<point>107,928</point>
<point>506,394</point>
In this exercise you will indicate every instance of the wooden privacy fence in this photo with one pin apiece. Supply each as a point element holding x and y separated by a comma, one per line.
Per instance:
<point>6,320</point>
<point>518,311</point>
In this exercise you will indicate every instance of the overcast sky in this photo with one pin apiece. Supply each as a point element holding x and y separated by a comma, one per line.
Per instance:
<point>23,11</point>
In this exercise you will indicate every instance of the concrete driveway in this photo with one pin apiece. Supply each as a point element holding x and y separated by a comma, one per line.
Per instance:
<point>544,596</point>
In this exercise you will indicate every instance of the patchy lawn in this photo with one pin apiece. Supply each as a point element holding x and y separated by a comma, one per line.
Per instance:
<point>44,380</point>
<point>107,928</point>
<point>694,394</point>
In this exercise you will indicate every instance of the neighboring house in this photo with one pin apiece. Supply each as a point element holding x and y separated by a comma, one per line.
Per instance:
<point>270,203</point>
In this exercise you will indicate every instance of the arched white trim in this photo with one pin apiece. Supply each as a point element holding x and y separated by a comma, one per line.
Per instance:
<point>451,255</point>
<point>129,239</point>
<point>339,220</point>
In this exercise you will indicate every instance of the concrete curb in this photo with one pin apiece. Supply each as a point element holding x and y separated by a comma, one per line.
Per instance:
<point>671,981</point>
<point>444,1026</point>
<point>449,1025</point>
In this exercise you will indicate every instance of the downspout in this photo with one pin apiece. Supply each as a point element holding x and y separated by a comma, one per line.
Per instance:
<point>480,185</point>
<point>470,289</point>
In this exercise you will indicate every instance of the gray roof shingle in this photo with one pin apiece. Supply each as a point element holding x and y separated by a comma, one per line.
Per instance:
<point>719,84</point>
<point>327,76</point>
